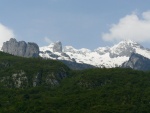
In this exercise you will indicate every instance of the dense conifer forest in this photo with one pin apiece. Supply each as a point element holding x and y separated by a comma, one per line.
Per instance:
<point>48,86</point>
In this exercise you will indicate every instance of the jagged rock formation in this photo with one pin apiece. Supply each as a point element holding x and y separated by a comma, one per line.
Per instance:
<point>21,48</point>
<point>137,62</point>
<point>57,47</point>
<point>107,57</point>
<point>124,48</point>
<point>32,50</point>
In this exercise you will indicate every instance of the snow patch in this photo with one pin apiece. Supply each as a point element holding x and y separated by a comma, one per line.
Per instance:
<point>107,57</point>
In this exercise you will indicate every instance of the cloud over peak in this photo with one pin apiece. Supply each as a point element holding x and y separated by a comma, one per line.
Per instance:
<point>5,34</point>
<point>131,27</point>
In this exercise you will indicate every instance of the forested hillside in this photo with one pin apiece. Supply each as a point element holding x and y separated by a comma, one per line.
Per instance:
<point>20,72</point>
<point>47,86</point>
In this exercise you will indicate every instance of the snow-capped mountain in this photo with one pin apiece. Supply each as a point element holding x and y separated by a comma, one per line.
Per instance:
<point>107,57</point>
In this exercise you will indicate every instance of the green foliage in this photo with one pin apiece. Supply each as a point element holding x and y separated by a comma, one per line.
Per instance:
<point>13,68</point>
<point>87,91</point>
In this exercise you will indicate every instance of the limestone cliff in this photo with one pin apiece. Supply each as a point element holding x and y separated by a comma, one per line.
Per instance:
<point>20,48</point>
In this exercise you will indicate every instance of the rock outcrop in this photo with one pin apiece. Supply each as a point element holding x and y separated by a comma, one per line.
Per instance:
<point>137,62</point>
<point>20,48</point>
<point>57,47</point>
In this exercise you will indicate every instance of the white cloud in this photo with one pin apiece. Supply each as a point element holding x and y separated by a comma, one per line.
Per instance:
<point>130,27</point>
<point>5,34</point>
<point>47,40</point>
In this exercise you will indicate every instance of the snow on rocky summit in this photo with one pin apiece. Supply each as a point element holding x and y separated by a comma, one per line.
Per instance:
<point>107,57</point>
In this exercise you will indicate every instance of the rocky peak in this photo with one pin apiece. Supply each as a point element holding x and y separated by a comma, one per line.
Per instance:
<point>124,48</point>
<point>32,50</point>
<point>130,43</point>
<point>137,62</point>
<point>101,57</point>
<point>57,47</point>
<point>20,48</point>
<point>12,40</point>
<point>53,47</point>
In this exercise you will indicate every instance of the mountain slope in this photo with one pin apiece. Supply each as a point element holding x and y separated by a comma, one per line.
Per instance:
<point>20,72</point>
<point>137,62</point>
<point>30,85</point>
<point>87,91</point>
<point>107,57</point>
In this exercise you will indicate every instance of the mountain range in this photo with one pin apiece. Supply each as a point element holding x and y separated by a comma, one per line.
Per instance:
<point>126,53</point>
<point>31,84</point>
<point>108,57</point>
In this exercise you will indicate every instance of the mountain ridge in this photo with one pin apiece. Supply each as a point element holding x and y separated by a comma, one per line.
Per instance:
<point>108,57</point>
<point>23,72</point>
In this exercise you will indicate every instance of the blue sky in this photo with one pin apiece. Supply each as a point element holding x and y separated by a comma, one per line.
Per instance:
<point>80,23</point>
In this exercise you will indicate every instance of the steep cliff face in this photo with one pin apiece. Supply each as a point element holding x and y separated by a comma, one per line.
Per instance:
<point>21,48</point>
<point>57,47</point>
<point>32,50</point>
<point>137,62</point>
